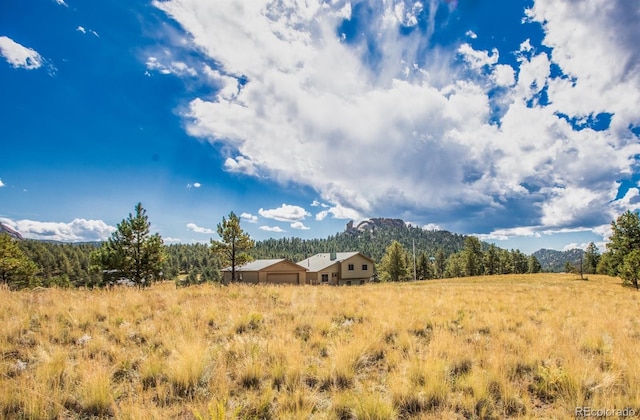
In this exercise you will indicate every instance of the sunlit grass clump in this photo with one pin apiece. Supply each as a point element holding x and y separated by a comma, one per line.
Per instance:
<point>488,347</point>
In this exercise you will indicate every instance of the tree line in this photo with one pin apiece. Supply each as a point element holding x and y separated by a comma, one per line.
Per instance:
<point>398,264</point>
<point>133,255</point>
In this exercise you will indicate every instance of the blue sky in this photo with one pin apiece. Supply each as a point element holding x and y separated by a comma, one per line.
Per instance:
<point>516,121</point>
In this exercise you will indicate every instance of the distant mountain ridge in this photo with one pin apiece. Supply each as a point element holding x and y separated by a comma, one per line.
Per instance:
<point>552,260</point>
<point>371,237</point>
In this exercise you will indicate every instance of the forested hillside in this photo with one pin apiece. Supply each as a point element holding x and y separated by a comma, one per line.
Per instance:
<point>556,261</point>
<point>371,241</point>
<point>438,254</point>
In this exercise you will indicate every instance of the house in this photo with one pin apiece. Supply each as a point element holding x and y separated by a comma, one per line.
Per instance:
<point>338,268</point>
<point>276,271</point>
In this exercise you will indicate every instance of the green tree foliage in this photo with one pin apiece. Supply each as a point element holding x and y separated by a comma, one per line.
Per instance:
<point>424,267</point>
<point>491,261</point>
<point>234,244</point>
<point>62,264</point>
<point>440,264</point>
<point>455,265</point>
<point>533,265</point>
<point>605,265</point>
<point>393,266</point>
<point>624,239</point>
<point>132,253</point>
<point>472,257</point>
<point>630,270</point>
<point>505,263</point>
<point>591,258</point>
<point>519,262</point>
<point>373,244</point>
<point>16,269</point>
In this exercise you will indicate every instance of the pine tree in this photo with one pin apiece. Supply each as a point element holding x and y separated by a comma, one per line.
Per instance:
<point>16,269</point>
<point>630,270</point>
<point>624,239</point>
<point>393,266</point>
<point>491,261</point>
<point>591,258</point>
<point>234,244</point>
<point>472,256</point>
<point>440,264</point>
<point>533,265</point>
<point>132,253</point>
<point>424,269</point>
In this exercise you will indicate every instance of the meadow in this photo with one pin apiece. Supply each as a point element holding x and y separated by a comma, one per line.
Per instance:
<point>517,346</point>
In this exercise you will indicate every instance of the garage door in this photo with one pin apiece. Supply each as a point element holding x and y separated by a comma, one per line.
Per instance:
<point>282,278</point>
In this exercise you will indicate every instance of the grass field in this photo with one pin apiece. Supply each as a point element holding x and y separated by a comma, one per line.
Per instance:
<point>528,346</point>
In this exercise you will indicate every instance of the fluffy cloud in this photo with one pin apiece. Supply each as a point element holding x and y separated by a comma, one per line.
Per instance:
<point>171,240</point>
<point>456,136</point>
<point>197,229</point>
<point>18,55</point>
<point>275,229</point>
<point>249,218</point>
<point>173,67</point>
<point>431,226</point>
<point>78,230</point>
<point>62,3</point>
<point>299,225</point>
<point>194,185</point>
<point>1,183</point>
<point>339,212</point>
<point>285,213</point>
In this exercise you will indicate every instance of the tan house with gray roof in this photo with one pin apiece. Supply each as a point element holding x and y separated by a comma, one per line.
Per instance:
<point>338,268</point>
<point>276,271</point>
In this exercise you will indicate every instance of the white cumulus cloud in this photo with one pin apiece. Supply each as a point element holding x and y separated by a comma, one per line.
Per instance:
<point>249,218</point>
<point>78,230</point>
<point>285,213</point>
<point>1,183</point>
<point>18,55</point>
<point>299,225</point>
<point>197,229</point>
<point>276,229</point>
<point>456,135</point>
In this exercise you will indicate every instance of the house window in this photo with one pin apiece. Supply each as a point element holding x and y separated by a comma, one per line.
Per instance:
<point>325,278</point>
<point>351,267</point>
<point>365,267</point>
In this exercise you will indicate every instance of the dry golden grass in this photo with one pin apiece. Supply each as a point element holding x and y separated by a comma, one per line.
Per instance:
<point>529,346</point>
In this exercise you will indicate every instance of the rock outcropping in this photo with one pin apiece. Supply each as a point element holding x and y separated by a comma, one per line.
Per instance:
<point>11,232</point>
<point>374,224</point>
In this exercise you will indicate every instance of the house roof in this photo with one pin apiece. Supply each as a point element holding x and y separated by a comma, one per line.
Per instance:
<point>258,265</point>
<point>321,261</point>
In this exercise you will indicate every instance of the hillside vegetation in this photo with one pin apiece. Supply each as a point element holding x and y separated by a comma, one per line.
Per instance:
<point>522,346</point>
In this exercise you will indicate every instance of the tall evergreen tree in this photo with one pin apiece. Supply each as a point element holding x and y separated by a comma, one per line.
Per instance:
<point>16,269</point>
<point>624,239</point>
<point>591,258</point>
<point>456,265</point>
<point>393,266</point>
<point>519,262</point>
<point>534,265</point>
<point>630,270</point>
<point>424,269</point>
<point>440,264</point>
<point>234,244</point>
<point>491,260</point>
<point>132,252</point>
<point>472,256</point>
